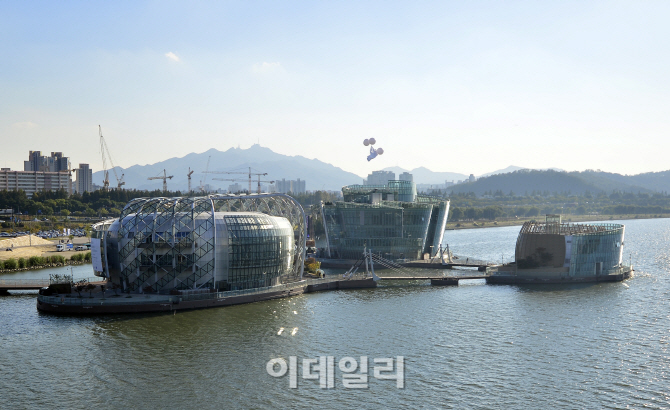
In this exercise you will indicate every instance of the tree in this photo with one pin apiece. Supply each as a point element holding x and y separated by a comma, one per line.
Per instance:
<point>533,211</point>
<point>80,286</point>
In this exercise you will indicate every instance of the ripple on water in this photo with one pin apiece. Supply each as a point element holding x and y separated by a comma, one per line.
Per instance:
<point>552,346</point>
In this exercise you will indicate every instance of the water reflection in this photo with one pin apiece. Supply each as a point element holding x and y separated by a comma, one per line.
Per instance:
<point>539,346</point>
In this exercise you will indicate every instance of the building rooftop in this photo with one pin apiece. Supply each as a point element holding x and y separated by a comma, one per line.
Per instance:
<point>554,226</point>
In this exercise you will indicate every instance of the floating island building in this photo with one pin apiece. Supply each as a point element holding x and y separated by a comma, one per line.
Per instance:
<point>192,252</point>
<point>391,220</point>
<point>554,251</point>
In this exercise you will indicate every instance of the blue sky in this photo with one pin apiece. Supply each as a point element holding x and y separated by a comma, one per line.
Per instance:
<point>453,86</point>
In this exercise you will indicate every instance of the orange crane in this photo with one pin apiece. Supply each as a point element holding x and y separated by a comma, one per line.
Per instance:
<point>165,177</point>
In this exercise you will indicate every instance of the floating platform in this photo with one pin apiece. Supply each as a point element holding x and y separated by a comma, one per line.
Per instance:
<point>141,303</point>
<point>514,278</point>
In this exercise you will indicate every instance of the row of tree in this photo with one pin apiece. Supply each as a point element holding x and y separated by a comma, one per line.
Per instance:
<point>103,203</point>
<point>464,206</point>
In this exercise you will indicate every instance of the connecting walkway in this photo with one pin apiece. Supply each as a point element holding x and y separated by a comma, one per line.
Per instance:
<point>22,284</point>
<point>31,284</point>
<point>415,271</point>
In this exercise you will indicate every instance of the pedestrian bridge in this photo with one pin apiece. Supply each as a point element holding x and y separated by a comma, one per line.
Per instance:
<point>22,284</point>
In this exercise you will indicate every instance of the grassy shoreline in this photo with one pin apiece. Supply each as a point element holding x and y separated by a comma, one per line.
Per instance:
<point>39,262</point>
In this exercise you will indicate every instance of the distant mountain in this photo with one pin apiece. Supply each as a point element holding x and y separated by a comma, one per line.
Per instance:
<point>513,168</point>
<point>507,170</point>
<point>655,181</point>
<point>423,175</point>
<point>317,174</point>
<point>525,181</point>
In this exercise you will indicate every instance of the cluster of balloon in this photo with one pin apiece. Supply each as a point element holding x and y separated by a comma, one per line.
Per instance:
<point>373,152</point>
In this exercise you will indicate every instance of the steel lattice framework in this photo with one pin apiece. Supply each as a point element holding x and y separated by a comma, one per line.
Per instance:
<point>183,263</point>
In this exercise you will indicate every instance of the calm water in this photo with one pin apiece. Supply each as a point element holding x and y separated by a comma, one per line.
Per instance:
<point>548,346</point>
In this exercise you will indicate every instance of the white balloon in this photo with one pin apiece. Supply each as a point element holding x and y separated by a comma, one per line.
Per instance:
<point>372,141</point>
<point>380,151</point>
<point>366,142</point>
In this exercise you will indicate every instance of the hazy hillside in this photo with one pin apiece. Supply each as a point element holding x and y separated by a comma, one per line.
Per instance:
<point>423,175</point>
<point>526,181</point>
<point>317,174</point>
<point>657,181</point>
<point>507,170</point>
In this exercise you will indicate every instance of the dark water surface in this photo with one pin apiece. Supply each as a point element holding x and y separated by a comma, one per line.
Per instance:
<point>540,346</point>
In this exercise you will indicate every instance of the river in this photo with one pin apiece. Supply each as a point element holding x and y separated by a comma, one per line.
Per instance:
<point>603,345</point>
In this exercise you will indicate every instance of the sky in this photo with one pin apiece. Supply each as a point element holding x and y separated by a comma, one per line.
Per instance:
<point>456,86</point>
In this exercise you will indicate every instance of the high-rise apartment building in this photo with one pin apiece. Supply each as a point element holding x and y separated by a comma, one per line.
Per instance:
<point>84,176</point>
<point>292,186</point>
<point>380,178</point>
<point>54,163</point>
<point>34,181</point>
<point>406,176</point>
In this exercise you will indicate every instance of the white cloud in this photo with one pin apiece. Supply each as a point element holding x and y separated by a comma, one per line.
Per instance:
<point>172,56</point>
<point>265,67</point>
<point>27,125</point>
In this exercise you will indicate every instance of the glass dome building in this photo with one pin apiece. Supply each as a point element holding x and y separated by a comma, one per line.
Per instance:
<point>218,242</point>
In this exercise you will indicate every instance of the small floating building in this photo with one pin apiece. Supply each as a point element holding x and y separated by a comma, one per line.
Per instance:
<point>554,251</point>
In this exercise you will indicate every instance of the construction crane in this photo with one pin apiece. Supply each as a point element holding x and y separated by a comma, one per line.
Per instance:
<point>259,174</point>
<point>69,173</point>
<point>165,177</point>
<point>105,172</point>
<point>202,181</point>
<point>237,179</point>
<point>189,178</point>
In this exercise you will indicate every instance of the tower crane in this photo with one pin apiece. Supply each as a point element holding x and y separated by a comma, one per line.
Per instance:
<point>189,178</point>
<point>203,180</point>
<point>259,174</point>
<point>165,177</point>
<point>105,172</point>
<point>238,179</point>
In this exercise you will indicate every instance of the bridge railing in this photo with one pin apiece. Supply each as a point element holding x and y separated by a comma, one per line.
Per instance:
<point>32,283</point>
<point>24,282</point>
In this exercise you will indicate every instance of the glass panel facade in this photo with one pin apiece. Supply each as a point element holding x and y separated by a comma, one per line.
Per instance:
<point>597,253</point>
<point>260,249</point>
<point>403,225</point>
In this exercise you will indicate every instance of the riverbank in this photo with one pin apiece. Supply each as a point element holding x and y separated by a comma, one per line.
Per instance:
<point>566,218</point>
<point>38,262</point>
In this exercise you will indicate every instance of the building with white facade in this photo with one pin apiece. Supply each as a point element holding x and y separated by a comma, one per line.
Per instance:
<point>34,181</point>
<point>379,178</point>
<point>406,176</point>
<point>235,188</point>
<point>84,176</point>
<point>296,187</point>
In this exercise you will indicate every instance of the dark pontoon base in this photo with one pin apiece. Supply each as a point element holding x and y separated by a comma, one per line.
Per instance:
<point>69,309</point>
<point>515,280</point>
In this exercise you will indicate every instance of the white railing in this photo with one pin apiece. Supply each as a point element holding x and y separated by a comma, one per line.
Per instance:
<point>24,282</point>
